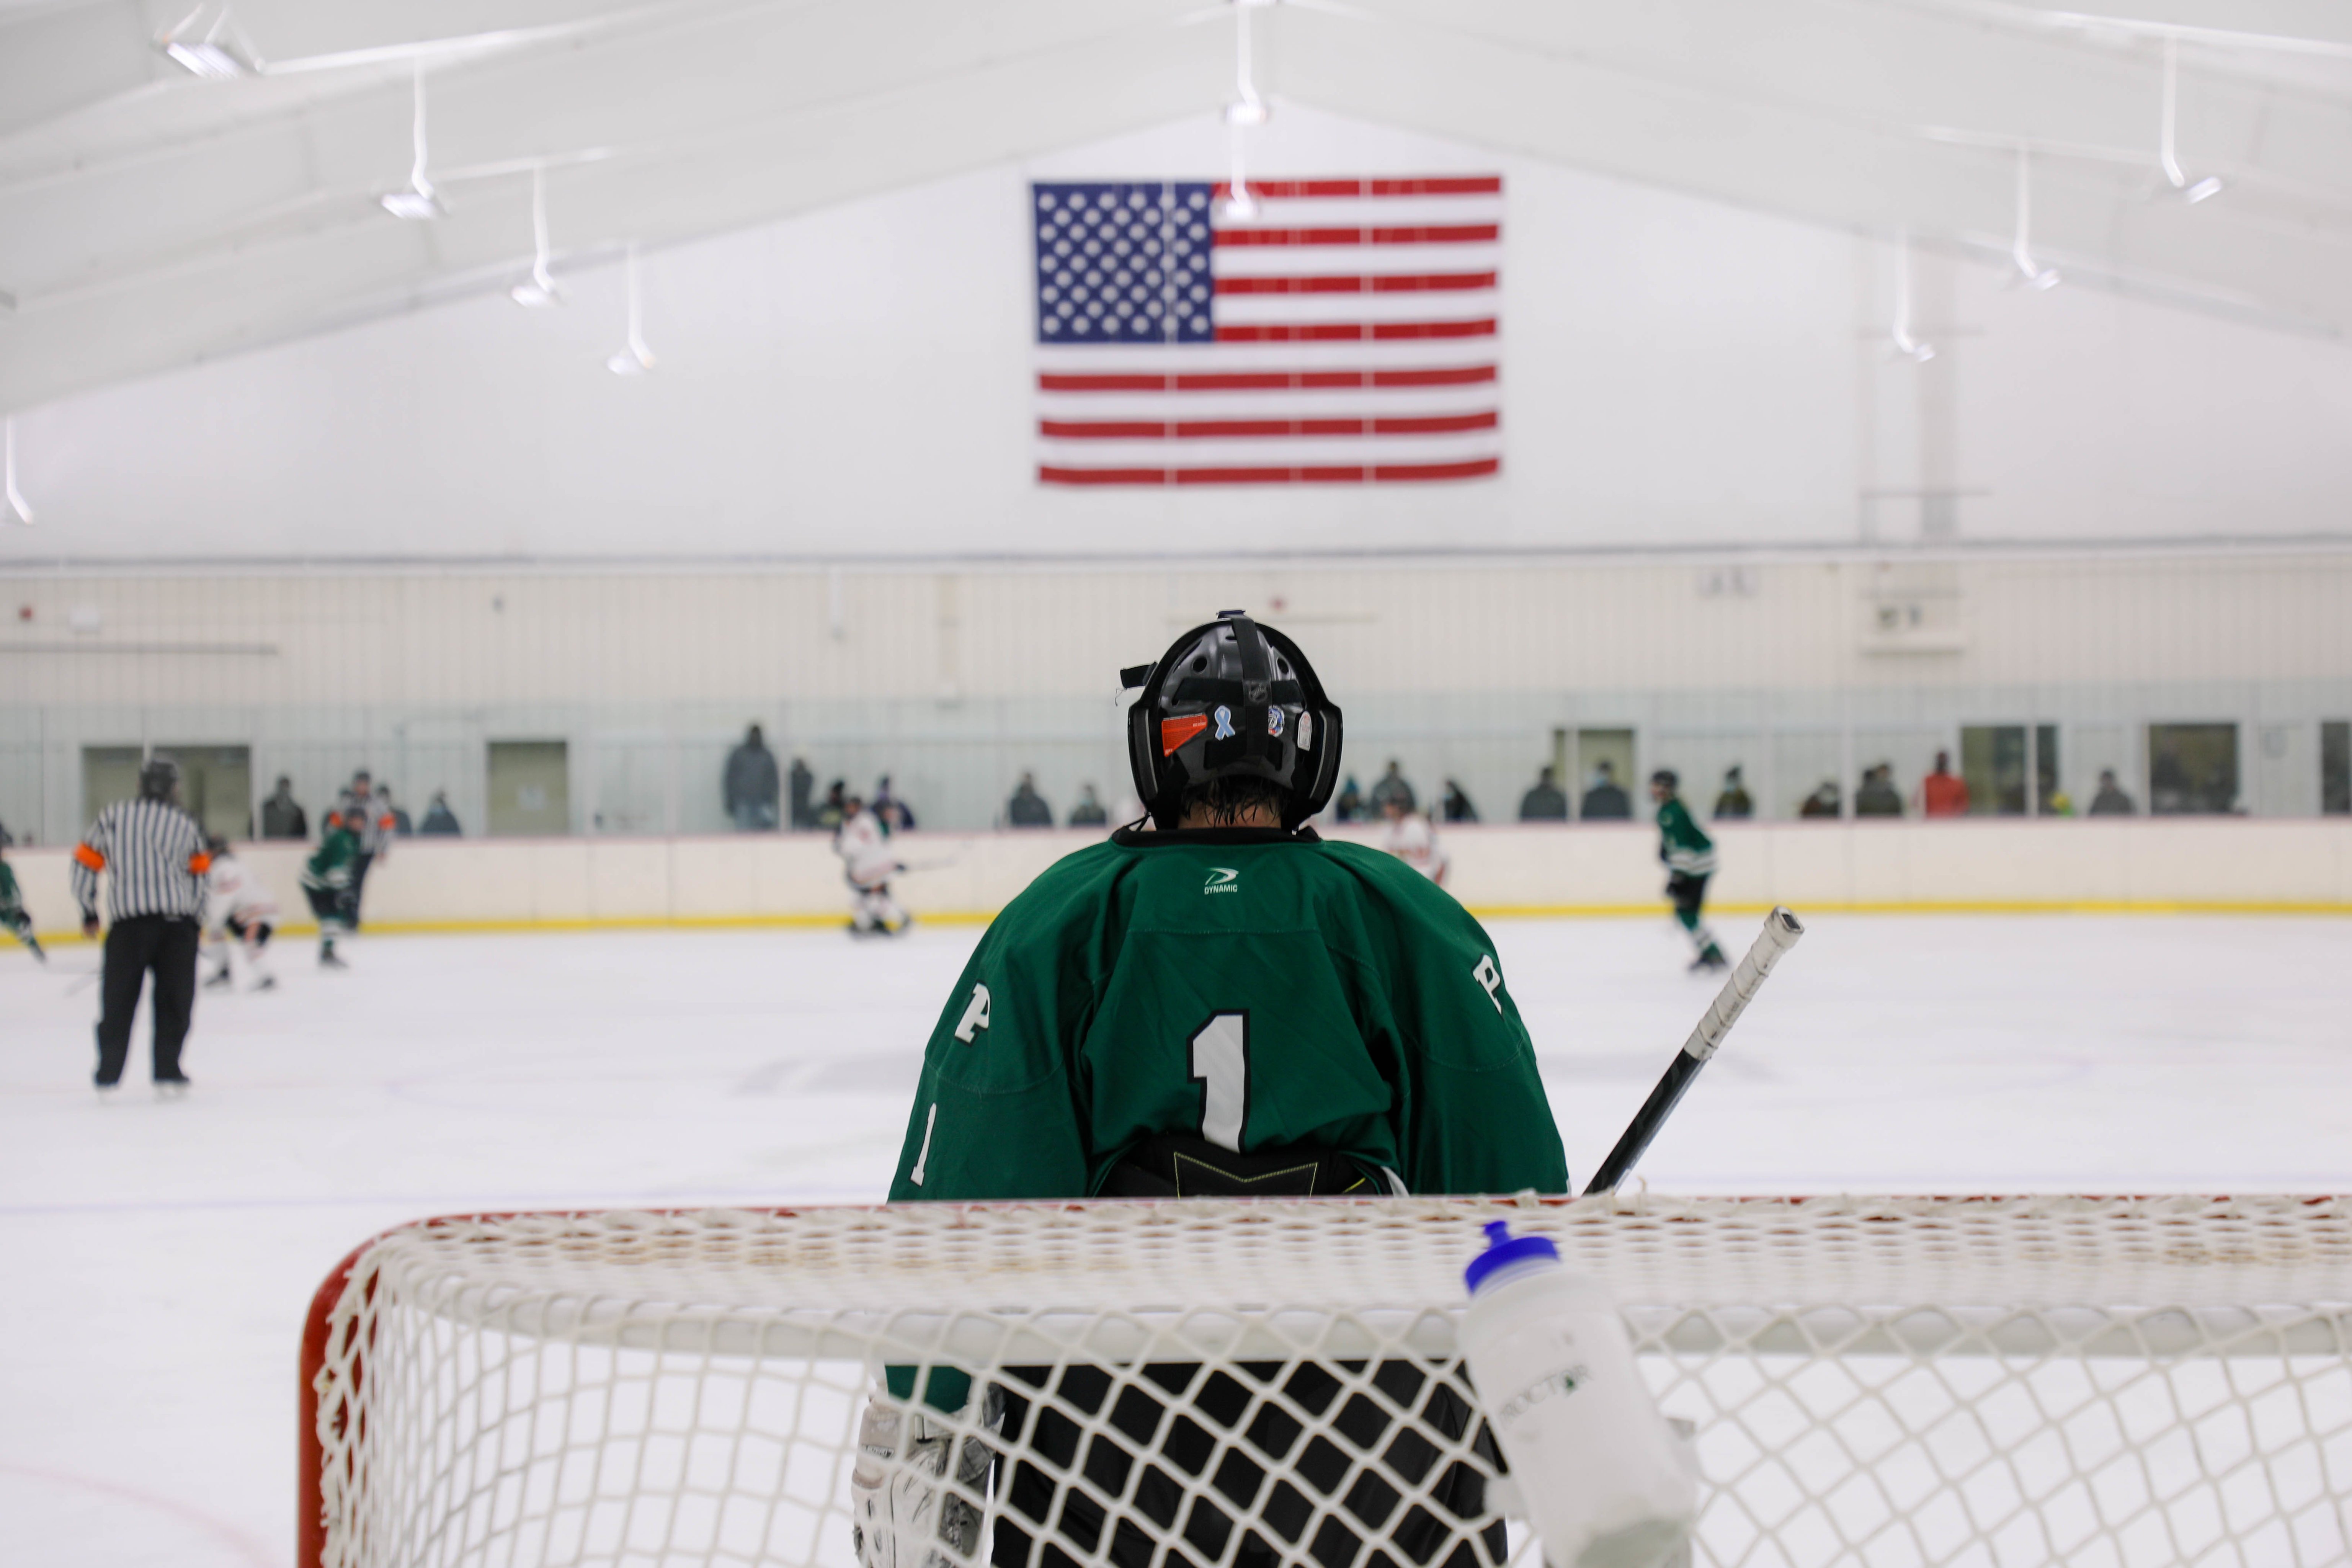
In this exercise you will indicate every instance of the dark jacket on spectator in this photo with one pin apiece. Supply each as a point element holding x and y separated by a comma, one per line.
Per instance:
<point>1877,796</point>
<point>1027,809</point>
<point>1545,802</point>
<point>1606,802</point>
<point>751,779</point>
<point>282,817</point>
<point>1391,786</point>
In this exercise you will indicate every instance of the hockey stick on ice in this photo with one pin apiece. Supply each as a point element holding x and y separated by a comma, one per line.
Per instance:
<point>1781,933</point>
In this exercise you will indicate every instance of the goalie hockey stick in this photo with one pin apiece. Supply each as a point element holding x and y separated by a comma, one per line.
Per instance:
<point>1780,932</point>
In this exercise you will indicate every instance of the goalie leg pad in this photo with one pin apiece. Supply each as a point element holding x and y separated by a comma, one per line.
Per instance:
<point>901,1513</point>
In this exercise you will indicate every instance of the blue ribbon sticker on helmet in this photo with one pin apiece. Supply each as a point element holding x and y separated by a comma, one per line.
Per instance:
<point>1224,717</point>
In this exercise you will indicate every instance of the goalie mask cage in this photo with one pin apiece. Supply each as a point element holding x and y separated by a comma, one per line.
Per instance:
<point>2003,1381</point>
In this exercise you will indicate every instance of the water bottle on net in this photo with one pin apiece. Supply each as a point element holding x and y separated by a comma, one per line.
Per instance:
<point>1603,1477</point>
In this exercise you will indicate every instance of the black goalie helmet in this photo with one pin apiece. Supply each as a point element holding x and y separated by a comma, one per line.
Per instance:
<point>1231,699</point>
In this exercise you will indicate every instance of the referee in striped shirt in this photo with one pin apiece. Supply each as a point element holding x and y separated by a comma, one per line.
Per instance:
<point>155,906</point>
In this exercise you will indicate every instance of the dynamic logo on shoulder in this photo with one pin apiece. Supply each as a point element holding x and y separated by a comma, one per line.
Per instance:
<point>1221,879</point>
<point>1273,723</point>
<point>1224,724</point>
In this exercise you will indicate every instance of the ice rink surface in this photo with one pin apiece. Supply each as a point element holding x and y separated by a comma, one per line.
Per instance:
<point>159,1257</point>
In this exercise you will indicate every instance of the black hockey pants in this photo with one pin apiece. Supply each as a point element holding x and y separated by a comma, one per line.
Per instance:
<point>1688,893</point>
<point>167,946</point>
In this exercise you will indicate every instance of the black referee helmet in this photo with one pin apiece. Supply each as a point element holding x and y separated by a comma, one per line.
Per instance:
<point>159,779</point>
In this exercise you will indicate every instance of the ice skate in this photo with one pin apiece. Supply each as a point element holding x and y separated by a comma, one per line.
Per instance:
<point>218,980</point>
<point>266,982</point>
<point>328,960</point>
<point>1710,961</point>
<point>173,1088</point>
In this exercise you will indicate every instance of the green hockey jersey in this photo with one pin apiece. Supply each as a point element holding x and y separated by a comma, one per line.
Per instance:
<point>1258,988</point>
<point>11,901</point>
<point>1681,843</point>
<point>335,862</point>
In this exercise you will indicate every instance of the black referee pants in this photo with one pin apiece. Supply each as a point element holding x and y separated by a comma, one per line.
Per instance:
<point>167,945</point>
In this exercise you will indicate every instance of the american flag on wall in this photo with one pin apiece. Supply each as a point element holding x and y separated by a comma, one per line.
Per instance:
<point>1346,332</point>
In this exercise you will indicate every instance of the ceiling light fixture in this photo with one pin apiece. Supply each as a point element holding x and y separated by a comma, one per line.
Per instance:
<point>634,358</point>
<point>2167,151</point>
<point>1906,345</point>
<point>15,497</point>
<point>1247,108</point>
<point>219,53</point>
<point>1239,203</point>
<point>541,288</point>
<point>420,200</point>
<point>2036,275</point>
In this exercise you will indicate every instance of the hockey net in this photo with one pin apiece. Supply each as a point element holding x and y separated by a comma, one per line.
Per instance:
<point>2006,1382</point>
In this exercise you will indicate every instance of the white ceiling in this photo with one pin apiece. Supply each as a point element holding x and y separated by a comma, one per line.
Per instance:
<point>149,218</point>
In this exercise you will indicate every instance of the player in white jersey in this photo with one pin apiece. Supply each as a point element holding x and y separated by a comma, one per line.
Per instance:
<point>868,862</point>
<point>239,912</point>
<point>1412,841</point>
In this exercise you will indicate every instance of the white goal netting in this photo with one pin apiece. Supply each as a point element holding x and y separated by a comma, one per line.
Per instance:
<point>2005,1381</point>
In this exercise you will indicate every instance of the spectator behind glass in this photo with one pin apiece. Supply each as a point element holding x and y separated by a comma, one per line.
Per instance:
<point>1941,794</point>
<point>1388,787</point>
<point>1088,812</point>
<point>385,804</point>
<point>892,812</point>
<point>751,786</point>
<point>281,816</point>
<point>1878,796</point>
<point>1456,804</point>
<point>439,820</point>
<point>804,786</point>
<point>2111,800</point>
<point>1606,801</point>
<point>1349,804</point>
<point>1734,802</point>
<point>1546,802</point>
<point>1823,802</point>
<point>834,812</point>
<point>1027,809</point>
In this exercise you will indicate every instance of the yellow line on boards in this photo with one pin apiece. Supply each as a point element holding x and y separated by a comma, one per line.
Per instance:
<point>71,938</point>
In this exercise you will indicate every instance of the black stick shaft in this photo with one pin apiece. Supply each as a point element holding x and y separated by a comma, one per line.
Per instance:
<point>1780,932</point>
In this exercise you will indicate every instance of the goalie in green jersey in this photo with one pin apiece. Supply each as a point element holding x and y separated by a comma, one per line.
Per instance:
<point>1218,1002</point>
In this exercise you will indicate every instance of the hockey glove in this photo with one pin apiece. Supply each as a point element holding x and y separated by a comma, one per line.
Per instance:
<point>899,1513</point>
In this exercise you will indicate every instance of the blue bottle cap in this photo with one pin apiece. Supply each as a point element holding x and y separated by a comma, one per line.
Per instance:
<point>1503,1249</point>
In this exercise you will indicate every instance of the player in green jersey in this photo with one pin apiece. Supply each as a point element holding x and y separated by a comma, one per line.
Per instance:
<point>330,881</point>
<point>1218,1002</point>
<point>1689,855</point>
<point>13,917</point>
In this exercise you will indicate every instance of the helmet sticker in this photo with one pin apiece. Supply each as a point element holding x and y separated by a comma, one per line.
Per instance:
<point>1273,722</point>
<point>1306,731</point>
<point>1225,723</point>
<point>1174,732</point>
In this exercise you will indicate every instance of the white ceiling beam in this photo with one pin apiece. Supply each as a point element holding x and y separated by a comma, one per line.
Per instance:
<point>695,171</point>
<point>1821,139</point>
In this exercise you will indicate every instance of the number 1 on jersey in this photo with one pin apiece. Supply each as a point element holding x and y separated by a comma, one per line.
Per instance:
<point>1221,1067</point>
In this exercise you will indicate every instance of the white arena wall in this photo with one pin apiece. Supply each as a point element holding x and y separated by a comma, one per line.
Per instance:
<point>2241,866</point>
